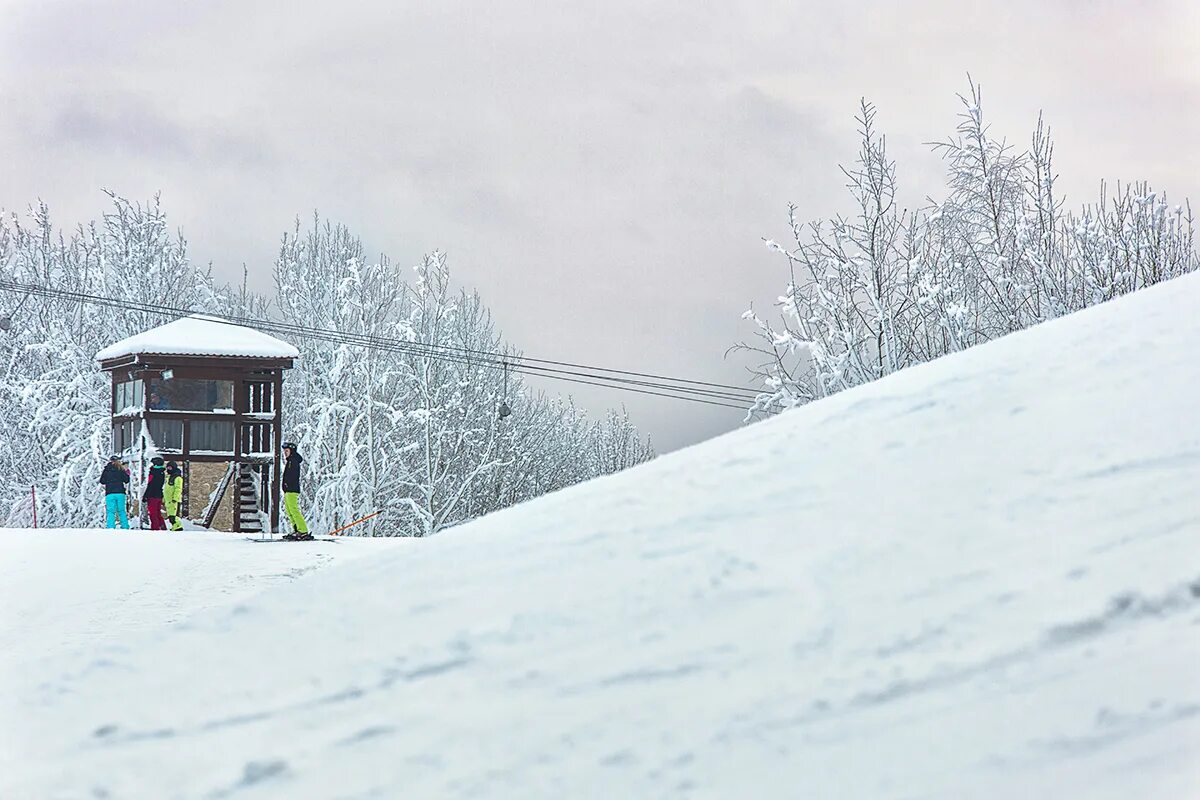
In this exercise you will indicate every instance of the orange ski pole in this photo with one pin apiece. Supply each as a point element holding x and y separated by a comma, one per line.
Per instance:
<point>352,524</point>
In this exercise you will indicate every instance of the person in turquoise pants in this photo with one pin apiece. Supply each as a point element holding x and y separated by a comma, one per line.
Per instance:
<point>115,478</point>
<point>291,492</point>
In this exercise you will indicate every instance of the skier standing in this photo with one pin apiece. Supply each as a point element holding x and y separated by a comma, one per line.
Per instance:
<point>153,496</point>
<point>115,477</point>
<point>173,495</point>
<point>291,493</point>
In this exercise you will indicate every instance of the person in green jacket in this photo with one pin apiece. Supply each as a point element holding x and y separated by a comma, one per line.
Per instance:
<point>173,495</point>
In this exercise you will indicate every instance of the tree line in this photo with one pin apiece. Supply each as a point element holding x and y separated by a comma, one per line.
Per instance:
<point>884,287</point>
<point>403,432</point>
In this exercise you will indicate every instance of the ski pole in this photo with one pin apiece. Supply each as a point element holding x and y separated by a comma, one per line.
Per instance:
<point>33,491</point>
<point>352,524</point>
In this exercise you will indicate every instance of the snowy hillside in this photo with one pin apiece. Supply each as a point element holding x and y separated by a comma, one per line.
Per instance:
<point>976,578</point>
<point>73,599</point>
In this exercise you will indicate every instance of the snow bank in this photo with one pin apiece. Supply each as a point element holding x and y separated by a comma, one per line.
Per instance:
<point>976,578</point>
<point>200,335</point>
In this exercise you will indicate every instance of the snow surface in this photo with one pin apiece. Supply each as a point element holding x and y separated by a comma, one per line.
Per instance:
<point>200,335</point>
<point>69,599</point>
<point>976,578</point>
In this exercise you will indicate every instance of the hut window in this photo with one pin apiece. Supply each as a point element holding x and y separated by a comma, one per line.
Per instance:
<point>166,433</point>
<point>122,436</point>
<point>190,395</point>
<point>260,397</point>
<point>256,440</point>
<point>129,395</point>
<point>212,435</point>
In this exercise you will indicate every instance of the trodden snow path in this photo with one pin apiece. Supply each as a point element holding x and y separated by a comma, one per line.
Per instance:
<point>75,598</point>
<point>975,579</point>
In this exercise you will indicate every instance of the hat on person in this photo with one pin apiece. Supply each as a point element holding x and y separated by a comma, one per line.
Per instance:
<point>172,465</point>
<point>157,461</point>
<point>115,457</point>
<point>289,446</point>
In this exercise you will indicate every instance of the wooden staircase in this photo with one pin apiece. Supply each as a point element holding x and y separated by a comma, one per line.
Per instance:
<point>249,518</point>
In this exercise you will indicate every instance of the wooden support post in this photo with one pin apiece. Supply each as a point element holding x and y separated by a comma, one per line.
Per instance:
<point>276,441</point>
<point>239,430</point>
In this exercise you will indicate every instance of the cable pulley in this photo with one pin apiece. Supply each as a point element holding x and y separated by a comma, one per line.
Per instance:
<point>6,322</point>
<point>504,409</point>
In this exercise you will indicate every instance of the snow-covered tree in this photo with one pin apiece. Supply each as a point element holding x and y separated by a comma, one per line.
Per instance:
<point>55,419</point>
<point>338,399</point>
<point>405,421</point>
<point>887,288</point>
<point>617,444</point>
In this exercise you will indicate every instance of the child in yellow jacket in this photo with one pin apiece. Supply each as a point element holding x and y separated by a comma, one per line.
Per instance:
<point>173,495</point>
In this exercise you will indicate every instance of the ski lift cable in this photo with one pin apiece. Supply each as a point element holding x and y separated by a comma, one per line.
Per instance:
<point>729,392</point>
<point>355,338</point>
<point>531,360</point>
<point>392,345</point>
<point>498,359</point>
<point>639,391</point>
<point>527,366</point>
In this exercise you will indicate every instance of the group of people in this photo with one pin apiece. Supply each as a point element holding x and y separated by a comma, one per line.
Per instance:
<point>163,495</point>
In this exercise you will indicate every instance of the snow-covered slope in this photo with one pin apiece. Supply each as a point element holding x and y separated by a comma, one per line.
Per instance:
<point>65,592</point>
<point>977,578</point>
<point>74,599</point>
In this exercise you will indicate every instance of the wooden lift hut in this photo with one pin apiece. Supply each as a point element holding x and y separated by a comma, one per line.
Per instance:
<point>205,393</point>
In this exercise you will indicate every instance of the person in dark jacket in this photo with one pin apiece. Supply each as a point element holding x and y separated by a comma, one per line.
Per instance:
<point>153,496</point>
<point>115,477</point>
<point>291,492</point>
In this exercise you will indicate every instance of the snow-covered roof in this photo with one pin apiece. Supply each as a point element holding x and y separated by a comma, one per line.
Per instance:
<point>200,335</point>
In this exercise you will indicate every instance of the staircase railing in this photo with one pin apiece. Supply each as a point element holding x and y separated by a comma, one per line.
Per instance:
<point>214,500</point>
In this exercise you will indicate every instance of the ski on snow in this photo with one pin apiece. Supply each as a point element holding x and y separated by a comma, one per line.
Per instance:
<point>281,539</point>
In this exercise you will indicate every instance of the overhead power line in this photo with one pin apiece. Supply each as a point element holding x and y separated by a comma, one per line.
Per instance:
<point>698,391</point>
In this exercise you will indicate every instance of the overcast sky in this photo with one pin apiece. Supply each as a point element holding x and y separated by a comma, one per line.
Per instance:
<point>602,172</point>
